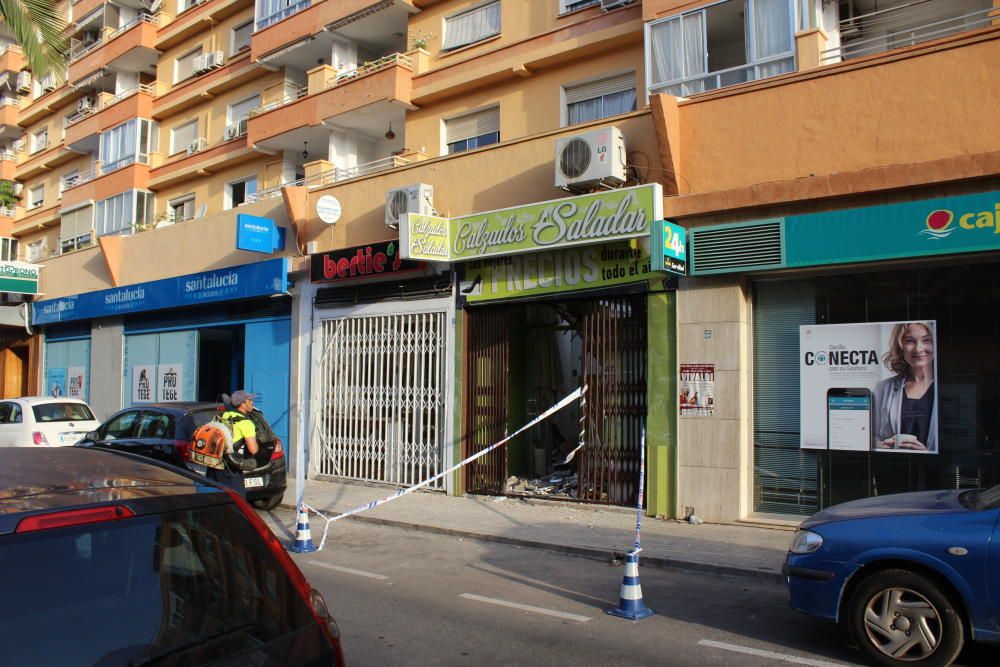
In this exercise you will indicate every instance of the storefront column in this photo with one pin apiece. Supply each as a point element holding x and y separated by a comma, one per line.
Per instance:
<point>661,399</point>
<point>457,484</point>
<point>106,370</point>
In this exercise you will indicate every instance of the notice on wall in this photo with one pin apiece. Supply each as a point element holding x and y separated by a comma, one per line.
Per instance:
<point>697,390</point>
<point>169,380</point>
<point>143,383</point>
<point>869,387</point>
<point>76,380</point>
<point>55,382</point>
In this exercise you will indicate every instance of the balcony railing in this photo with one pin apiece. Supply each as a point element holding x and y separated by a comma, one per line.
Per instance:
<point>10,102</point>
<point>282,14</point>
<point>8,155</point>
<point>332,176</point>
<point>79,49</point>
<point>370,67</point>
<point>14,48</point>
<point>74,180</point>
<point>293,95</point>
<point>905,25</point>
<point>109,101</point>
<point>7,212</point>
<point>761,69</point>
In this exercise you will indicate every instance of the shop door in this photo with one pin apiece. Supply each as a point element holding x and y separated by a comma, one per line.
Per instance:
<point>380,385</point>
<point>487,398</point>
<point>265,370</point>
<point>614,371</point>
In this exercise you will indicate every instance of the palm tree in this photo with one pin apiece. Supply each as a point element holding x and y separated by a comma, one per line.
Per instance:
<point>38,29</point>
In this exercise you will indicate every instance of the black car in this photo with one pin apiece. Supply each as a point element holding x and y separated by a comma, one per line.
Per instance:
<point>163,431</point>
<point>107,558</point>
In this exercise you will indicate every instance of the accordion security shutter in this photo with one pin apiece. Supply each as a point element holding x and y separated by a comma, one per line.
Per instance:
<point>601,87</point>
<point>472,26</point>
<point>473,125</point>
<point>76,223</point>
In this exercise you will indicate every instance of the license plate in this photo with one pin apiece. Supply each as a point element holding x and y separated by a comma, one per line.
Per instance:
<point>251,482</point>
<point>70,438</point>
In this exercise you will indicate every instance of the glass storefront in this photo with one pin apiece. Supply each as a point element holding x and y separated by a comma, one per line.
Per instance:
<point>964,301</point>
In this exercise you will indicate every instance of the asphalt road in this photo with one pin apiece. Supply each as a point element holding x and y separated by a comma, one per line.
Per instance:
<point>404,597</point>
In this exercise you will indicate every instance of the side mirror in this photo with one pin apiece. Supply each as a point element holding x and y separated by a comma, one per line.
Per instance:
<point>90,437</point>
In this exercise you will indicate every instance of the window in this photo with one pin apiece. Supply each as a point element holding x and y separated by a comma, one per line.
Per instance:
<point>241,37</point>
<point>474,130</point>
<point>36,196</point>
<point>155,425</point>
<point>8,249</point>
<point>273,11</point>
<point>34,251</point>
<point>68,180</point>
<point>10,413</point>
<point>717,46</point>
<point>118,214</point>
<point>76,229</point>
<point>184,67</point>
<point>238,192</point>
<point>122,426</point>
<point>181,209</point>
<point>62,412</point>
<point>39,140</point>
<point>600,99</point>
<point>471,26</point>
<point>127,144</point>
<point>237,115</point>
<point>183,136</point>
<point>573,5</point>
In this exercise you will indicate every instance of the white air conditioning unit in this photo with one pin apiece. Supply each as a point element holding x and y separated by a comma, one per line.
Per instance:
<point>214,60</point>
<point>416,198</point>
<point>24,82</point>
<point>197,146</point>
<point>607,5</point>
<point>237,129</point>
<point>18,145</point>
<point>593,158</point>
<point>85,103</point>
<point>18,189</point>
<point>48,84</point>
<point>199,64</point>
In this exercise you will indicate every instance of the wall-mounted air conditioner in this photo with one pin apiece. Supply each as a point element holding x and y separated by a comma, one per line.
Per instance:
<point>611,4</point>
<point>24,82</point>
<point>593,158</point>
<point>199,65</point>
<point>416,198</point>
<point>214,60</point>
<point>85,103</point>
<point>237,129</point>
<point>197,146</point>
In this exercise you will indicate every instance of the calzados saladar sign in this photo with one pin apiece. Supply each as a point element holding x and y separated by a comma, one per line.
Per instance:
<point>560,223</point>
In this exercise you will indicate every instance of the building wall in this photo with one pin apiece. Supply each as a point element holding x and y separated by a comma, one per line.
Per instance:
<point>218,38</point>
<point>106,372</point>
<point>212,191</point>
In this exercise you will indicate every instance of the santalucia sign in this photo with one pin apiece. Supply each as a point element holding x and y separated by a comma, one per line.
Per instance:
<point>559,223</point>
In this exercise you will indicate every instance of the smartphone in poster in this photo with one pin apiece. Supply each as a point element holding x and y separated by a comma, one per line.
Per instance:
<point>869,386</point>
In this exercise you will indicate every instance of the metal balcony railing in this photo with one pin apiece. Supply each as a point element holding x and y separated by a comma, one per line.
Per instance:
<point>79,49</point>
<point>294,95</point>
<point>282,14</point>
<point>332,176</point>
<point>109,101</point>
<point>8,155</point>
<point>74,180</point>
<point>905,25</point>
<point>7,212</point>
<point>371,67</point>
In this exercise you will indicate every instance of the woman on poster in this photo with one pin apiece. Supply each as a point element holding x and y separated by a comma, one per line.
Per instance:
<point>906,404</point>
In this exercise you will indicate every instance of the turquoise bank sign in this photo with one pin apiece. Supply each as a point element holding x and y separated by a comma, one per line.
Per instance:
<point>967,223</point>
<point>668,247</point>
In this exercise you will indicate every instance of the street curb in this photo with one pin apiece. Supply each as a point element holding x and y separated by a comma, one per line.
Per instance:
<point>602,555</point>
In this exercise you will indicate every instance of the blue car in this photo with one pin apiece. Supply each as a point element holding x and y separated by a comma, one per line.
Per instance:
<point>912,575</point>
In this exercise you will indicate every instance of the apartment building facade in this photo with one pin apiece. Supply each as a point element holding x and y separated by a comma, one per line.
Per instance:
<point>215,192</point>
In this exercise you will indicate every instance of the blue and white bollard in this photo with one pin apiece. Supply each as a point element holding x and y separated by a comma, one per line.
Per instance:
<point>303,536</point>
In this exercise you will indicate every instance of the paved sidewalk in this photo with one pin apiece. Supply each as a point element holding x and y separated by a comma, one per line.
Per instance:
<point>584,530</point>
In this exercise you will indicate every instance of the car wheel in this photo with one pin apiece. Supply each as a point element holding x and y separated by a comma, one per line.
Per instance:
<point>899,618</point>
<point>268,503</point>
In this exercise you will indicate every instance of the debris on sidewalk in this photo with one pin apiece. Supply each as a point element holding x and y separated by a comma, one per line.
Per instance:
<point>560,484</point>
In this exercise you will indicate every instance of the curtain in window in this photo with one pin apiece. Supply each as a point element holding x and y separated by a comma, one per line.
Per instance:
<point>773,29</point>
<point>118,146</point>
<point>472,26</point>
<point>678,47</point>
<point>115,214</point>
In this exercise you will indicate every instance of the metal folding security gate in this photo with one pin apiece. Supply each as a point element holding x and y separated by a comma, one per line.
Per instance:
<point>381,399</point>
<point>487,398</point>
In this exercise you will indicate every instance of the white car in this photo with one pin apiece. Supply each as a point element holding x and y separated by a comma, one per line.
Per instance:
<point>44,420</point>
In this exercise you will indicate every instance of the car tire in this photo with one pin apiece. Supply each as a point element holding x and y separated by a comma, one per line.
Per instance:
<point>930,633</point>
<point>268,503</point>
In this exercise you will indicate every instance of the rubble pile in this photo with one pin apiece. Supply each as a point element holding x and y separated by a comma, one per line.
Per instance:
<point>557,484</point>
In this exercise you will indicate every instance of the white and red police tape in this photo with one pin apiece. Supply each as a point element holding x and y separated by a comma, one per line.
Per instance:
<point>579,393</point>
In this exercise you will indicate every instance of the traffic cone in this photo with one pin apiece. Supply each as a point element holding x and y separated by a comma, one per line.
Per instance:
<point>303,538</point>
<point>630,603</point>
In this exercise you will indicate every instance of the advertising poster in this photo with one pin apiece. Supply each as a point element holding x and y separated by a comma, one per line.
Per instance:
<point>143,383</point>
<point>55,382</point>
<point>75,381</point>
<point>869,387</point>
<point>169,380</point>
<point>697,390</point>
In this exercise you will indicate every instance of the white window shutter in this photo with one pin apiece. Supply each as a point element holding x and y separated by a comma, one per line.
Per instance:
<point>593,89</point>
<point>473,125</point>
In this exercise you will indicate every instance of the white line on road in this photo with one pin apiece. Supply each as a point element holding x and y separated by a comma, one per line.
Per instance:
<point>340,568</point>
<point>769,654</point>
<point>524,607</point>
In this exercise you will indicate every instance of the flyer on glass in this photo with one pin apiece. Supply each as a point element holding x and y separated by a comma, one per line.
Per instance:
<point>143,384</point>
<point>869,386</point>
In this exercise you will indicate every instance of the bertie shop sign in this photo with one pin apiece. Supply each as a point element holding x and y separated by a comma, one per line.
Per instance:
<point>368,261</point>
<point>589,219</point>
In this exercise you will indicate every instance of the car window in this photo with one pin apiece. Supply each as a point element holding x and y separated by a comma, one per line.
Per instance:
<point>5,413</point>
<point>190,422</point>
<point>122,426</point>
<point>199,586</point>
<point>155,425</point>
<point>62,412</point>
<point>15,414</point>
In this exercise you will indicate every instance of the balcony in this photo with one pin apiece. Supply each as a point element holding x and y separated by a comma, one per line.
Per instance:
<point>907,24</point>
<point>238,70</point>
<point>100,183</point>
<point>32,220</point>
<point>131,48</point>
<point>107,111</point>
<point>10,112</point>
<point>82,8</point>
<point>11,59</point>
<point>53,101</point>
<point>54,155</point>
<point>189,166</point>
<point>282,14</point>
<point>8,165</point>
<point>176,29</point>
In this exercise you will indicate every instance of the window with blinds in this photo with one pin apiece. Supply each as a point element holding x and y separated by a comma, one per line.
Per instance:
<point>76,229</point>
<point>8,249</point>
<point>241,36</point>
<point>473,130</point>
<point>184,66</point>
<point>471,26</point>
<point>183,136</point>
<point>593,100</point>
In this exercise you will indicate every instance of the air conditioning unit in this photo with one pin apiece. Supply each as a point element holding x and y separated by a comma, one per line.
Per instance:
<point>197,146</point>
<point>24,82</point>
<point>214,60</point>
<point>18,145</point>
<point>237,129</point>
<point>607,5</point>
<point>593,158</point>
<point>416,198</point>
<point>199,64</point>
<point>48,85</point>
<point>18,189</point>
<point>85,103</point>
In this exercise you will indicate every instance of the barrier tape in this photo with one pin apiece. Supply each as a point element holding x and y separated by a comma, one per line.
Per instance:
<point>578,393</point>
<point>638,505</point>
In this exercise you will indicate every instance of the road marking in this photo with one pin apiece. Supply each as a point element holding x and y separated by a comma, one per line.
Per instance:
<point>524,607</point>
<point>784,657</point>
<point>340,568</point>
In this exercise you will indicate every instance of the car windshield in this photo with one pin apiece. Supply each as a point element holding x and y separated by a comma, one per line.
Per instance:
<point>62,412</point>
<point>988,499</point>
<point>197,585</point>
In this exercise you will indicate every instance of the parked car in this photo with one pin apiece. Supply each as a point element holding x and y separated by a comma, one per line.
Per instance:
<point>136,562</point>
<point>44,420</point>
<point>163,431</point>
<point>912,574</point>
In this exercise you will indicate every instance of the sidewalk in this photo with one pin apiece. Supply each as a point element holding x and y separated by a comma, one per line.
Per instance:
<point>583,530</point>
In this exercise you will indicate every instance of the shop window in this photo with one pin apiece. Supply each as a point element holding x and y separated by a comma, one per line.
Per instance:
<point>76,229</point>
<point>599,99</point>
<point>240,191</point>
<point>721,45</point>
<point>184,65</point>
<point>8,249</point>
<point>181,209</point>
<point>183,136</point>
<point>67,369</point>
<point>473,130</point>
<point>241,37</point>
<point>471,26</point>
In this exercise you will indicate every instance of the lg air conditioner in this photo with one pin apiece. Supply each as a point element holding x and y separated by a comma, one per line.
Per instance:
<point>197,146</point>
<point>591,159</point>
<point>416,198</point>
<point>607,5</point>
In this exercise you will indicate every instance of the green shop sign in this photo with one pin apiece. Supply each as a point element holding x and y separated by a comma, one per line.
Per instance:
<point>560,223</point>
<point>551,272</point>
<point>19,278</point>
<point>669,243</point>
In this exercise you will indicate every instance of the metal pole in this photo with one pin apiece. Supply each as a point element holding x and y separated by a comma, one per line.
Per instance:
<point>642,478</point>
